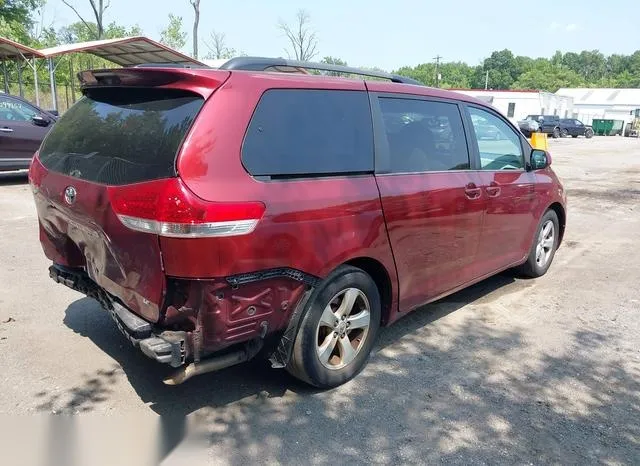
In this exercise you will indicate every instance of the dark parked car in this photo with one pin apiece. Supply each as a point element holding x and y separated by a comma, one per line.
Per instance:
<point>549,124</point>
<point>574,128</point>
<point>222,214</point>
<point>23,126</point>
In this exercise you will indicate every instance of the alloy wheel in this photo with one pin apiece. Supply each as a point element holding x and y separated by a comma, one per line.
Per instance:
<point>343,328</point>
<point>546,242</point>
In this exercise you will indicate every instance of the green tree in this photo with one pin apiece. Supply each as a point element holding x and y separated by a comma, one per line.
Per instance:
<point>333,61</point>
<point>523,64</point>
<point>634,64</point>
<point>592,65</point>
<point>456,75</point>
<point>18,10</point>
<point>17,19</point>
<point>617,64</point>
<point>628,79</point>
<point>173,36</point>
<point>98,7</point>
<point>425,73</point>
<point>69,65</point>
<point>548,77</point>
<point>116,31</point>
<point>557,58</point>
<point>502,68</point>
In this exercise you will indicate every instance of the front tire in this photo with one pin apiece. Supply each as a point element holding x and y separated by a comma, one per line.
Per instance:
<point>564,133</point>
<point>544,246</point>
<point>556,133</point>
<point>588,134</point>
<point>338,329</point>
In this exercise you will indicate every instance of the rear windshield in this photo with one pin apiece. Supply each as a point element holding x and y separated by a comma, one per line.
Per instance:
<point>121,136</point>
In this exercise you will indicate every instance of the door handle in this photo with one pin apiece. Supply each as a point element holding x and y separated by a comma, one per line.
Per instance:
<point>493,190</point>
<point>6,130</point>
<point>472,191</point>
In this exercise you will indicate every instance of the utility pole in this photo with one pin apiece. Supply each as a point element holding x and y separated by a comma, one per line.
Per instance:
<point>437,59</point>
<point>486,81</point>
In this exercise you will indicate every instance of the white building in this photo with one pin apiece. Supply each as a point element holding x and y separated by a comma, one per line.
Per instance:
<point>614,104</point>
<point>516,105</point>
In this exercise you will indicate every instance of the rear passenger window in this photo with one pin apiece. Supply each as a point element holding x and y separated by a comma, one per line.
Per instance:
<point>298,132</point>
<point>424,136</point>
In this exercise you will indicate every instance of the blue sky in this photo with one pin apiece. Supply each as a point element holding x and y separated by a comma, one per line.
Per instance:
<point>390,34</point>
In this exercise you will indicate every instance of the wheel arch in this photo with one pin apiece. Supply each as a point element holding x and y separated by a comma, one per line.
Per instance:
<point>562,218</point>
<point>378,272</point>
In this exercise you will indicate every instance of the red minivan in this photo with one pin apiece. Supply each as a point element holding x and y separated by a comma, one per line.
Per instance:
<point>218,215</point>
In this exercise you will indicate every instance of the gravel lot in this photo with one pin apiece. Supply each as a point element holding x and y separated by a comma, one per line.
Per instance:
<point>508,371</point>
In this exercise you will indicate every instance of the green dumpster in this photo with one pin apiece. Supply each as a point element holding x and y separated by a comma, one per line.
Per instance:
<point>602,127</point>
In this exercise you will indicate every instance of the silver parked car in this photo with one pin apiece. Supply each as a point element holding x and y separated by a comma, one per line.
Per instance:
<point>528,126</point>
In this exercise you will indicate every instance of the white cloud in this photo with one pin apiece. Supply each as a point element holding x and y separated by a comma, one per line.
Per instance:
<point>571,27</point>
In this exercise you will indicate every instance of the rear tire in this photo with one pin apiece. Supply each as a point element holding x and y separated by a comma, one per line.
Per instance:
<point>543,249</point>
<point>556,133</point>
<point>329,350</point>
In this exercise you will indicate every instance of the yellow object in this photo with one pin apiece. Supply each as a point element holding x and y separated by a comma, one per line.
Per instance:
<point>539,141</point>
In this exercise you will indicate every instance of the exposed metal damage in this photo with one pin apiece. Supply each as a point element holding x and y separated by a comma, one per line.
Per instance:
<point>208,325</point>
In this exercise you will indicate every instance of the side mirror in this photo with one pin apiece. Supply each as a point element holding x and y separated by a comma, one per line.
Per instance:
<point>40,121</point>
<point>540,159</point>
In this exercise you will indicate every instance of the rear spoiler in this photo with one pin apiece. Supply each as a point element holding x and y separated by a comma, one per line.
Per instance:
<point>203,82</point>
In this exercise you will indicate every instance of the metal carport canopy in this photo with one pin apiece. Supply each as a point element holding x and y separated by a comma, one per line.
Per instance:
<point>128,51</point>
<point>10,50</point>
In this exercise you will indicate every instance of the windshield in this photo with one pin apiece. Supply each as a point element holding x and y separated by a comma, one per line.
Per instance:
<point>120,136</point>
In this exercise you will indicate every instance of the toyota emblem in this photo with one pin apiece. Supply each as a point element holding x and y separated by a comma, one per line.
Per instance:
<point>70,195</point>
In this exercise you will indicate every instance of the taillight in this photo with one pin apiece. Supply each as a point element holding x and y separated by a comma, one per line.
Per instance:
<point>168,208</point>
<point>36,172</point>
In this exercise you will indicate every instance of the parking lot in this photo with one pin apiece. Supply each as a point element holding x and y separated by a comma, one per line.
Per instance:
<point>507,371</point>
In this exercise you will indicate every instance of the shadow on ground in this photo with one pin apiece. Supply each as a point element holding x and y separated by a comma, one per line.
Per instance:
<point>430,393</point>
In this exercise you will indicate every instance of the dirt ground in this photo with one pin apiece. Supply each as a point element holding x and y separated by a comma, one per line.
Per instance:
<point>508,371</point>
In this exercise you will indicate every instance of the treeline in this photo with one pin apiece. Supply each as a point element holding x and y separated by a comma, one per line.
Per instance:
<point>21,20</point>
<point>503,70</point>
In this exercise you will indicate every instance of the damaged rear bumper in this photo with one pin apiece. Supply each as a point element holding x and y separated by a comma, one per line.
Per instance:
<point>168,347</point>
<point>219,324</point>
